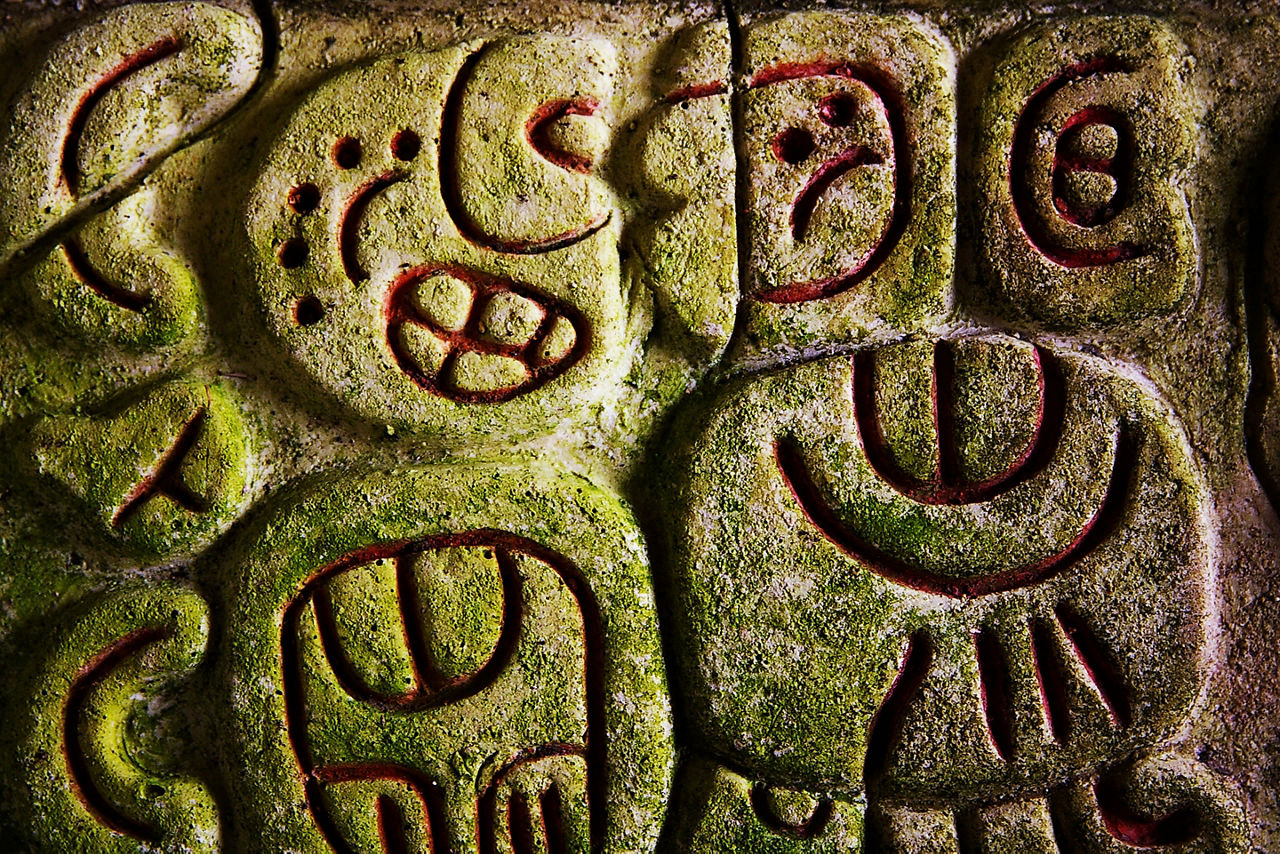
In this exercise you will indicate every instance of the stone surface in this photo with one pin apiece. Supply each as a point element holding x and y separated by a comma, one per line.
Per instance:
<point>431,427</point>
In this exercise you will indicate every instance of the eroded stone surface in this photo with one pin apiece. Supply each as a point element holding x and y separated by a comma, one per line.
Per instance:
<point>161,473</point>
<point>1087,133</point>
<point>80,729</point>
<point>366,199</point>
<point>943,633</point>
<point>471,653</point>
<point>847,147</point>
<point>315,310</point>
<point>110,101</point>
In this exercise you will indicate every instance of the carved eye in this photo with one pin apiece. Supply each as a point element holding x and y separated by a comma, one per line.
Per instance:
<point>792,145</point>
<point>292,253</point>
<point>836,110</point>
<point>405,145</point>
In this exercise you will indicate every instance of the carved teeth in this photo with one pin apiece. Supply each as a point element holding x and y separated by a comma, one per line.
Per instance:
<point>425,346</point>
<point>486,372</point>
<point>509,318</point>
<point>557,344</point>
<point>444,300</point>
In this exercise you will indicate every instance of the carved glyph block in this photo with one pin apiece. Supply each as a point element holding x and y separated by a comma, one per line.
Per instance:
<point>630,427</point>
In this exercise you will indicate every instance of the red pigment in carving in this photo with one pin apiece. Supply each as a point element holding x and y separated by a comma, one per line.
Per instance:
<point>94,671</point>
<point>346,152</point>
<point>810,828</point>
<point>815,508</point>
<point>946,487</point>
<point>1051,677</point>
<point>996,691</point>
<point>1020,189</point>
<point>430,689</point>
<point>452,194</point>
<point>69,162</point>
<point>166,478</point>
<point>304,198</point>
<point>828,173</point>
<point>405,145</point>
<point>390,816</point>
<point>836,110</point>
<point>1176,828</point>
<point>1101,667</point>
<point>308,310</point>
<point>1119,166</point>
<point>353,215</point>
<point>886,91</point>
<point>552,807</point>
<point>84,270</point>
<point>391,826</point>
<point>292,253</point>
<point>400,310</point>
<point>520,824</point>
<point>695,91</point>
<point>537,131</point>
<point>889,720</point>
<point>504,545</point>
<point>519,821</point>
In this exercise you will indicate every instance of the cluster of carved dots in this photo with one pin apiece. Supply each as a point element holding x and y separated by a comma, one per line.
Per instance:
<point>304,199</point>
<point>793,145</point>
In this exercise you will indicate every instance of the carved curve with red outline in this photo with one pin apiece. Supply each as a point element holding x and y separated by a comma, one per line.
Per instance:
<point>945,487</point>
<point>401,310</point>
<point>69,161</point>
<point>94,671</point>
<point>166,477</point>
<point>796,475</point>
<point>886,90</point>
<point>1020,189</point>
<point>353,215</point>
<point>314,774</point>
<point>452,194</point>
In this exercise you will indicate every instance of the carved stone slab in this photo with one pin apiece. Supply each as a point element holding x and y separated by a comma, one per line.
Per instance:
<point>440,428</point>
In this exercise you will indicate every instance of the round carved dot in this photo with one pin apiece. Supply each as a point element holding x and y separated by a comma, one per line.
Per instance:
<point>836,110</point>
<point>792,145</point>
<point>304,198</point>
<point>405,145</point>
<point>292,253</point>
<point>346,152</point>
<point>308,310</point>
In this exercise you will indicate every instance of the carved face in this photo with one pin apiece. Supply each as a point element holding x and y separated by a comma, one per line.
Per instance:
<point>446,250</point>
<point>942,568</point>
<point>828,177</point>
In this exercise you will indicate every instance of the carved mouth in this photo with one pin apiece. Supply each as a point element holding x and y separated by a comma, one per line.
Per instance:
<point>826,175</point>
<point>501,340</point>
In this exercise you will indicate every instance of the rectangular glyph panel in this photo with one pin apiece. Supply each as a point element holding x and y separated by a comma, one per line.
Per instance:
<point>628,427</point>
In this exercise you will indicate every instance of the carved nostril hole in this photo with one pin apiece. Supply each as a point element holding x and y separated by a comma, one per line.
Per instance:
<point>346,152</point>
<point>792,145</point>
<point>405,145</point>
<point>304,198</point>
<point>292,253</point>
<point>836,110</point>
<point>308,311</point>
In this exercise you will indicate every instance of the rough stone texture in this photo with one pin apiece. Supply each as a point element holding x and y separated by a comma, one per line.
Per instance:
<point>639,427</point>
